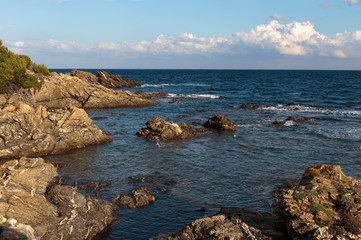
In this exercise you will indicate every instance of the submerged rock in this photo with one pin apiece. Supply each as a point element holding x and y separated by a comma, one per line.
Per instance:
<point>140,197</point>
<point>324,205</point>
<point>28,132</point>
<point>158,128</point>
<point>30,209</point>
<point>220,122</point>
<point>292,120</point>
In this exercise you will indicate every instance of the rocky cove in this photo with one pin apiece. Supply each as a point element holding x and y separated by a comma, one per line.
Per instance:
<point>51,120</point>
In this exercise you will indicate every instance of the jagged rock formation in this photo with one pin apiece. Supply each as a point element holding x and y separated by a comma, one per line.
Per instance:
<point>29,131</point>
<point>218,227</point>
<point>61,90</point>
<point>158,128</point>
<point>220,122</point>
<point>30,209</point>
<point>326,204</point>
<point>140,197</point>
<point>105,79</point>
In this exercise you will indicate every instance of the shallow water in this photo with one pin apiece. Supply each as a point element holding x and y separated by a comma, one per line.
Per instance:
<point>239,169</point>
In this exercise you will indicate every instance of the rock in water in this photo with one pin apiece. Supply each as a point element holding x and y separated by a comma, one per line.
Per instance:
<point>30,209</point>
<point>158,128</point>
<point>140,197</point>
<point>28,132</point>
<point>216,227</point>
<point>220,122</point>
<point>324,205</point>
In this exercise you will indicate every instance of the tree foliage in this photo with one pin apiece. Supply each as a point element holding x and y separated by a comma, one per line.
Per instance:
<point>13,70</point>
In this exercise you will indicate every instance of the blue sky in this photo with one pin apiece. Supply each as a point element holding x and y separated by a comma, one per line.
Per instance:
<point>222,34</point>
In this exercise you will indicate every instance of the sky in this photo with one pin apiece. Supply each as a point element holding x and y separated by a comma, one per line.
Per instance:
<point>185,34</point>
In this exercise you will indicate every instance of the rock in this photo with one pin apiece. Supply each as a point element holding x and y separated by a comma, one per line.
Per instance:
<point>158,128</point>
<point>151,95</point>
<point>292,119</point>
<point>30,209</point>
<point>91,78</point>
<point>59,90</point>
<point>220,122</point>
<point>115,81</point>
<point>250,106</point>
<point>140,197</point>
<point>201,110</point>
<point>30,132</point>
<point>216,227</point>
<point>323,205</point>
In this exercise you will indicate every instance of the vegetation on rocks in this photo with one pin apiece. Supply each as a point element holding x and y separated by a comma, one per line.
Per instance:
<point>13,70</point>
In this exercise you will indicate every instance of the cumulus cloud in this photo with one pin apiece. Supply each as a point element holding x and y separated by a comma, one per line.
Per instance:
<point>298,39</point>
<point>352,2</point>
<point>278,17</point>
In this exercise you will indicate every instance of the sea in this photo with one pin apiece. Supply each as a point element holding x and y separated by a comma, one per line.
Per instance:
<point>195,177</point>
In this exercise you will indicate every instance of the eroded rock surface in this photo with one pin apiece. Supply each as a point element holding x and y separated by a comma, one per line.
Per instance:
<point>61,90</point>
<point>158,128</point>
<point>218,227</point>
<point>115,81</point>
<point>220,122</point>
<point>105,79</point>
<point>27,131</point>
<point>140,197</point>
<point>326,204</point>
<point>30,208</point>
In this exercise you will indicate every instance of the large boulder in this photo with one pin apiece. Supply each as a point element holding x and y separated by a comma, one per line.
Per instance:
<point>91,78</point>
<point>31,209</point>
<point>324,205</point>
<point>26,131</point>
<point>158,128</point>
<point>115,81</point>
<point>220,122</point>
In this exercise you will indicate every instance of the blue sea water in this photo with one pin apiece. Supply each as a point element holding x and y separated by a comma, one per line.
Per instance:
<point>240,169</point>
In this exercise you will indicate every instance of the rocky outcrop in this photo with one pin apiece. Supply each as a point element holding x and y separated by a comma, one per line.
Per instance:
<point>140,197</point>
<point>26,131</point>
<point>292,120</point>
<point>158,128</point>
<point>220,122</point>
<point>250,106</point>
<point>30,209</point>
<point>115,81</point>
<point>151,95</point>
<point>218,227</point>
<point>60,90</point>
<point>324,205</point>
<point>103,78</point>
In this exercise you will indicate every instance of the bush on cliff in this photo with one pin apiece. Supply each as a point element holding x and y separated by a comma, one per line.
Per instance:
<point>13,70</point>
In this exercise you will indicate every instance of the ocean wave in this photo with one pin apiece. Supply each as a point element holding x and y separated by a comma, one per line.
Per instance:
<point>174,84</point>
<point>212,96</point>
<point>300,108</point>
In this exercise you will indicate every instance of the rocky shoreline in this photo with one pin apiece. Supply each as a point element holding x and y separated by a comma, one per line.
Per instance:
<point>51,119</point>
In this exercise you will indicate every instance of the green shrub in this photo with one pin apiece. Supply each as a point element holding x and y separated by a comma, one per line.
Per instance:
<point>13,70</point>
<point>40,69</point>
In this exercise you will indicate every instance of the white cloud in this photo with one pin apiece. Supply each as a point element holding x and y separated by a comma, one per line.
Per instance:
<point>278,17</point>
<point>352,2</point>
<point>299,39</point>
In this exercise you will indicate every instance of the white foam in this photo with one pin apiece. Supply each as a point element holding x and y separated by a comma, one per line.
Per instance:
<point>289,123</point>
<point>173,95</point>
<point>300,108</point>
